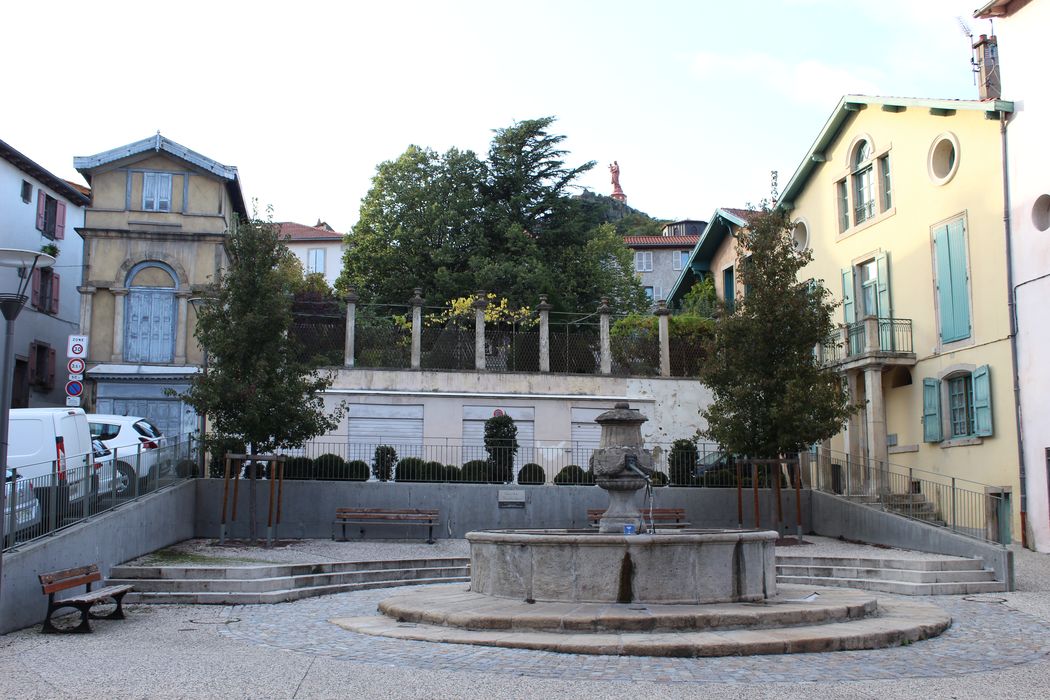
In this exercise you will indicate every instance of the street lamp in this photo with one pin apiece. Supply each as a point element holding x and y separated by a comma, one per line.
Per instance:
<point>27,261</point>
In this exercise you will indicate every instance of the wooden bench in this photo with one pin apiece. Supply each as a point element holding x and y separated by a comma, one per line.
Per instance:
<point>386,516</point>
<point>661,517</point>
<point>71,578</point>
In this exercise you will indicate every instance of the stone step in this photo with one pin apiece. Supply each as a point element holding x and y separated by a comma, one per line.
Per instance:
<point>277,583</point>
<point>276,570</point>
<point>904,575</point>
<point>903,498</point>
<point>899,587</point>
<point>277,596</point>
<point>938,564</point>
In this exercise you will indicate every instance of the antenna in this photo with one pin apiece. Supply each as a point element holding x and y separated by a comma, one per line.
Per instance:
<point>968,33</point>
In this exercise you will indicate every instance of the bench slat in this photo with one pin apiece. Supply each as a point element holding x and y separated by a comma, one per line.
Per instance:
<point>372,517</point>
<point>107,592</point>
<point>65,583</point>
<point>383,511</point>
<point>52,576</point>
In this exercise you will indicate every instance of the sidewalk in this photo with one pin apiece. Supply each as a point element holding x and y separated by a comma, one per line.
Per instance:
<point>994,649</point>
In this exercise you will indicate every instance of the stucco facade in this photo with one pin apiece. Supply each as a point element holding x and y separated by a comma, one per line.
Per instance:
<point>152,240</point>
<point>901,202</point>
<point>1023,55</point>
<point>319,248</point>
<point>52,311</point>
<point>659,260</point>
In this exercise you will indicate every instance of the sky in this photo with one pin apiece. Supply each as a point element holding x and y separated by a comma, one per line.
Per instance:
<point>697,100</point>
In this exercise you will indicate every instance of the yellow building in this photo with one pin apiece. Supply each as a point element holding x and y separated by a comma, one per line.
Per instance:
<point>901,202</point>
<point>153,239</point>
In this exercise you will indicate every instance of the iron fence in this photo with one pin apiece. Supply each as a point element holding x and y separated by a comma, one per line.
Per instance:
<point>970,508</point>
<point>512,347</point>
<point>895,335</point>
<point>383,337</point>
<point>321,337</point>
<point>635,351</point>
<point>575,343</point>
<point>46,497</point>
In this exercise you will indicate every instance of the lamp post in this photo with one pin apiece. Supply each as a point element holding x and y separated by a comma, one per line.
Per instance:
<point>27,261</point>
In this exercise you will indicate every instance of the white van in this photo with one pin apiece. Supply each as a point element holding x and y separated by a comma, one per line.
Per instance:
<point>52,448</point>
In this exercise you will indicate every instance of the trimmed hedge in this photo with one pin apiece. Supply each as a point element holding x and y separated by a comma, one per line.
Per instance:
<point>477,471</point>
<point>299,468</point>
<point>574,475</point>
<point>383,462</point>
<point>532,474</point>
<point>357,470</point>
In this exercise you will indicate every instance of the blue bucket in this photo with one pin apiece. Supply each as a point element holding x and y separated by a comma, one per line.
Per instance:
<point>628,529</point>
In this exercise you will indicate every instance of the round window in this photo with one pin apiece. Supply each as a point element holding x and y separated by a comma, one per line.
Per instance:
<point>943,158</point>
<point>800,236</point>
<point>1041,212</point>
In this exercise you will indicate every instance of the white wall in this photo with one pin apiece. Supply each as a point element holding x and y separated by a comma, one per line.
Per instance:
<point>333,257</point>
<point>1024,54</point>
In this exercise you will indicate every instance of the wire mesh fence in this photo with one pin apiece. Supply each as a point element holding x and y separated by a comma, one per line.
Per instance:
<point>512,347</point>
<point>383,336</point>
<point>575,343</point>
<point>49,496</point>
<point>635,348</point>
<point>321,337</point>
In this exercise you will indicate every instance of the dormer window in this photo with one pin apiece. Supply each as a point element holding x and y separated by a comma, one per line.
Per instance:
<point>156,191</point>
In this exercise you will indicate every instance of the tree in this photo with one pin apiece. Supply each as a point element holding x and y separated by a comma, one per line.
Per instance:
<point>501,442</point>
<point>257,390</point>
<point>452,224</point>
<point>771,396</point>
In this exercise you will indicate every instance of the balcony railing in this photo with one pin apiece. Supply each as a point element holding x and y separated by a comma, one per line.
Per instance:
<point>871,335</point>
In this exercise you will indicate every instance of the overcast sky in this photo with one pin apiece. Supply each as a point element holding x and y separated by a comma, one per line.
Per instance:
<point>698,101</point>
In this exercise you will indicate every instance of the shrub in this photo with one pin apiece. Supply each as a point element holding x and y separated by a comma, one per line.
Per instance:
<point>681,463</point>
<point>299,468</point>
<point>635,344</point>
<point>383,462</point>
<point>532,474</point>
<point>450,472</point>
<point>574,475</point>
<point>330,466</point>
<point>219,449</point>
<point>357,470</point>
<point>185,468</point>
<point>501,443</point>
<point>477,471</point>
<point>659,479</point>
<point>412,469</point>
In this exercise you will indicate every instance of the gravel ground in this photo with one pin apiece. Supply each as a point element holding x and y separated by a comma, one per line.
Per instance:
<point>195,652</point>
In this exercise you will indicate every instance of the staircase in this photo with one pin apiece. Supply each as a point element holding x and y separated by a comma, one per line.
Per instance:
<point>251,585</point>
<point>903,576</point>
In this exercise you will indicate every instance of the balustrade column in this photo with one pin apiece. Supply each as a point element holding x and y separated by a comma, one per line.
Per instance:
<point>118,323</point>
<point>87,296</point>
<point>604,311</point>
<point>351,322</point>
<point>417,326</point>
<point>663,317</point>
<point>871,334</point>
<point>479,330</point>
<point>545,333</point>
<point>876,425</point>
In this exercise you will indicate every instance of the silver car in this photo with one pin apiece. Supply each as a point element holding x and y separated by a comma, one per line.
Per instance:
<point>26,506</point>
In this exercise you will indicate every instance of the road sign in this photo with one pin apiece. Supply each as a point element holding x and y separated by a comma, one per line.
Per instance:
<point>74,388</point>
<point>73,401</point>
<point>76,377</point>
<point>76,366</point>
<point>78,346</point>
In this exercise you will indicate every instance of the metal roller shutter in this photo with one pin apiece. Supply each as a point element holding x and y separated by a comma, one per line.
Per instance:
<point>474,418</point>
<point>399,426</point>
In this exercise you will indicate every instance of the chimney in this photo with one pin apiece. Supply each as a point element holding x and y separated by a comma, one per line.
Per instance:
<point>986,55</point>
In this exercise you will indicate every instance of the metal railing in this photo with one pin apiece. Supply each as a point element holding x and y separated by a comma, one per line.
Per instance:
<point>969,508</point>
<point>888,335</point>
<point>47,497</point>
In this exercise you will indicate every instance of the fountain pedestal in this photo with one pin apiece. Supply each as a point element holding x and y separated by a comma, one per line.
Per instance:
<point>621,466</point>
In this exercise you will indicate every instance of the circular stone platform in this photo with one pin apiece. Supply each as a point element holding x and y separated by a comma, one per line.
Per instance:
<point>589,567</point>
<point>799,619</point>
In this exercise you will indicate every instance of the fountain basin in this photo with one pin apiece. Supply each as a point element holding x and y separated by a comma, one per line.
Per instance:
<point>674,567</point>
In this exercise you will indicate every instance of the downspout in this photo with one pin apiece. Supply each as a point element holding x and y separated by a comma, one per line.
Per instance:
<point>1013,332</point>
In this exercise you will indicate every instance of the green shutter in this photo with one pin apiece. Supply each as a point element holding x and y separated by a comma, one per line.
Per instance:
<point>931,410</point>
<point>882,264</point>
<point>848,314</point>
<point>982,402</point>
<point>953,294</point>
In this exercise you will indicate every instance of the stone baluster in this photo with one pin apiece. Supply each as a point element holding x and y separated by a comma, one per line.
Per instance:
<point>351,327</point>
<point>663,316</point>
<point>479,330</point>
<point>604,312</point>
<point>545,333</point>
<point>417,327</point>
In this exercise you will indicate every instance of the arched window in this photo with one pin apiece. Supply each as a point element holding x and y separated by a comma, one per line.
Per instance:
<point>863,182</point>
<point>150,313</point>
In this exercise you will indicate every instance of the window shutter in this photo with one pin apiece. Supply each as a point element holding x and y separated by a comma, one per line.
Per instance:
<point>54,292</point>
<point>982,402</point>
<point>149,188</point>
<point>35,294</point>
<point>960,280</point>
<point>944,284</point>
<point>41,210</point>
<point>931,410</point>
<point>60,221</point>
<point>882,264</point>
<point>32,364</point>
<point>50,368</point>
<point>848,313</point>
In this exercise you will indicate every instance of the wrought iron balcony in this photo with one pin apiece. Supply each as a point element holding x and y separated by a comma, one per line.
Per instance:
<point>872,339</point>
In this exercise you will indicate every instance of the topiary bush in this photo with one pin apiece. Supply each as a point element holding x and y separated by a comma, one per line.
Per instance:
<point>501,443</point>
<point>330,466</point>
<point>299,468</point>
<point>532,474</point>
<point>477,471</point>
<point>681,463</point>
<point>450,472</point>
<point>357,470</point>
<point>574,475</point>
<point>383,462</point>
<point>411,469</point>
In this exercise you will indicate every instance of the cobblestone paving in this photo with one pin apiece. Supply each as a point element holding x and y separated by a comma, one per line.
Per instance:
<point>985,636</point>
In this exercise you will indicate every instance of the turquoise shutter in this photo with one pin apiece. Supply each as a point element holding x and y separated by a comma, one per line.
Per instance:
<point>982,402</point>
<point>931,410</point>
<point>882,263</point>
<point>848,314</point>
<point>953,295</point>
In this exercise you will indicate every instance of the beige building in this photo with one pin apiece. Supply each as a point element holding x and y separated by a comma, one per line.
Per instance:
<point>153,239</point>
<point>319,248</point>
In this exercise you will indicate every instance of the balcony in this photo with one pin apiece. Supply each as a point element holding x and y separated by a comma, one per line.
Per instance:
<point>872,340</point>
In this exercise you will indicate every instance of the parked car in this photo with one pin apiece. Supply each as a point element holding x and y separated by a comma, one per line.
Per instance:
<point>26,506</point>
<point>51,449</point>
<point>136,451</point>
